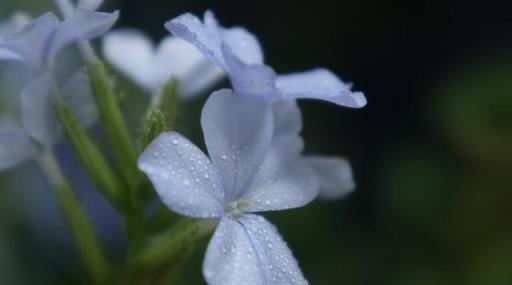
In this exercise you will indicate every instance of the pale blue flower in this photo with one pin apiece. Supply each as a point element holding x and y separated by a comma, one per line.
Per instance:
<point>134,54</point>
<point>39,42</point>
<point>35,49</point>
<point>10,26</point>
<point>333,173</point>
<point>67,7</point>
<point>249,171</point>
<point>238,52</point>
<point>92,5</point>
<point>14,23</point>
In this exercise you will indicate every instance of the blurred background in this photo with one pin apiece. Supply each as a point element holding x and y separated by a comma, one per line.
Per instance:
<point>432,151</point>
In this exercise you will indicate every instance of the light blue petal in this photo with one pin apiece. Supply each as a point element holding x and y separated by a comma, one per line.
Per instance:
<point>15,146</point>
<point>92,5</point>
<point>334,175</point>
<point>237,132</point>
<point>82,25</point>
<point>31,43</point>
<point>230,258</point>
<point>7,54</point>
<point>177,58</point>
<point>250,251</point>
<point>199,79</point>
<point>132,53</point>
<point>243,44</point>
<point>208,37</point>
<point>182,176</point>
<point>205,36</point>
<point>14,23</point>
<point>77,94</point>
<point>284,180</point>
<point>37,110</point>
<point>319,84</point>
<point>13,76</point>
<point>287,117</point>
<point>250,79</point>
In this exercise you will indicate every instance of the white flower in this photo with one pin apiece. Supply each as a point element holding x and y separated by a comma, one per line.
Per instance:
<point>34,51</point>
<point>134,54</point>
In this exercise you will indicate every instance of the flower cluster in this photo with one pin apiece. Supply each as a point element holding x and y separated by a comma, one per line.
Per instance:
<point>31,50</point>
<point>255,160</point>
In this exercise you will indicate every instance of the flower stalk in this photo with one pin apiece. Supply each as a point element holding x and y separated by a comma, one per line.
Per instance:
<point>161,115</point>
<point>108,183</point>
<point>171,244</point>
<point>91,253</point>
<point>113,121</point>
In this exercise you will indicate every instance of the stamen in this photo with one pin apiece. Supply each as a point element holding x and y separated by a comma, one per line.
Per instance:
<point>237,208</point>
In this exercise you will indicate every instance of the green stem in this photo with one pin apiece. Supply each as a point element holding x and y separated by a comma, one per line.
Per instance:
<point>168,246</point>
<point>90,251</point>
<point>114,124</point>
<point>92,159</point>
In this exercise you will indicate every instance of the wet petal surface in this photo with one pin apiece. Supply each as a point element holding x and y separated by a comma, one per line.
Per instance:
<point>237,132</point>
<point>319,84</point>
<point>284,180</point>
<point>249,251</point>
<point>182,176</point>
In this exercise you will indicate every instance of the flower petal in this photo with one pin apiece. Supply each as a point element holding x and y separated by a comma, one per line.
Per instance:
<point>230,258</point>
<point>182,176</point>
<point>37,111</point>
<point>177,58</point>
<point>287,117</point>
<point>243,44</point>
<point>30,44</point>
<point>92,5</point>
<point>250,79</point>
<point>78,95</point>
<point>334,175</point>
<point>7,54</point>
<point>14,23</point>
<point>250,251</point>
<point>15,146</point>
<point>208,37</point>
<point>237,132</point>
<point>205,36</point>
<point>131,52</point>
<point>14,75</point>
<point>82,25</point>
<point>284,180</point>
<point>319,84</point>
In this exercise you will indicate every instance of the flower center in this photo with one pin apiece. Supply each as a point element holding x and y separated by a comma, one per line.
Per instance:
<point>237,208</point>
